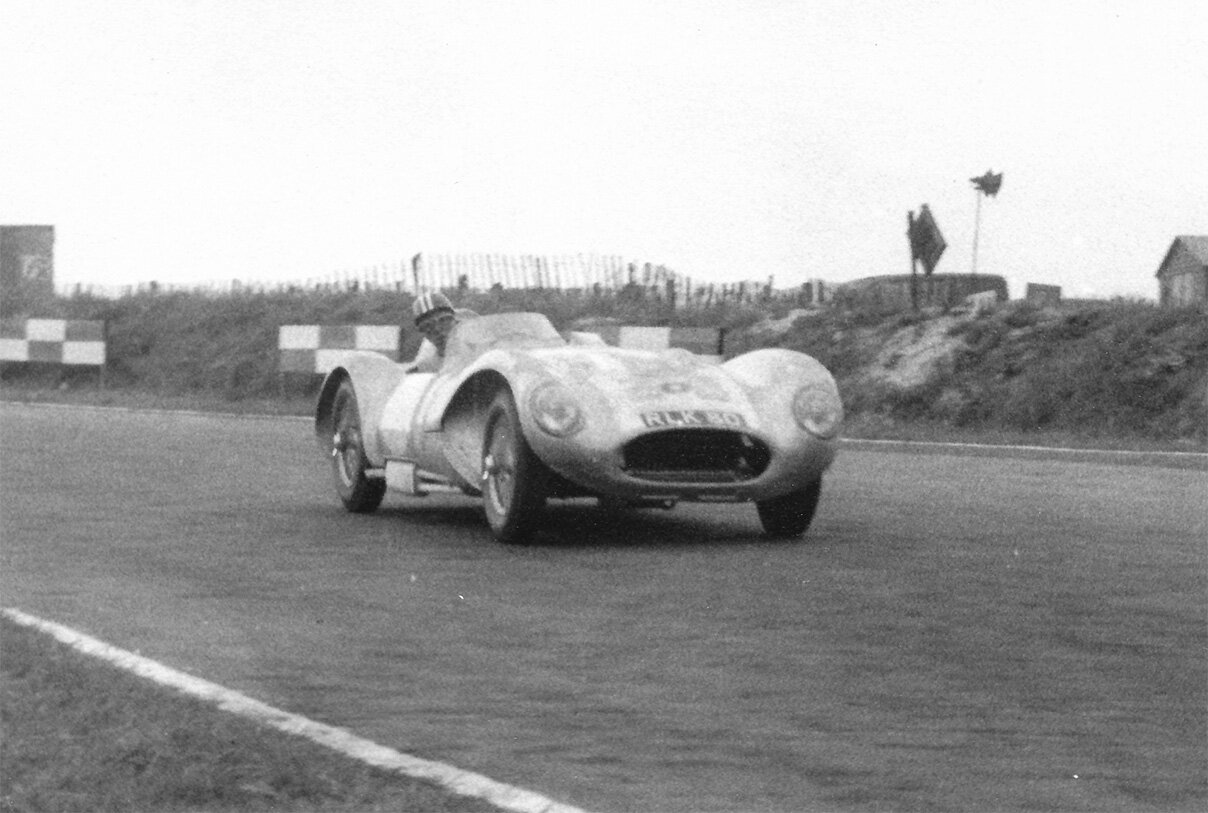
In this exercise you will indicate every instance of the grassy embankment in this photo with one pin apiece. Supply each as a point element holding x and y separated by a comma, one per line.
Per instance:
<point>1104,374</point>
<point>1113,374</point>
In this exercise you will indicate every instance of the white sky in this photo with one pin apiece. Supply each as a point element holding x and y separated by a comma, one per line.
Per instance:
<point>184,141</point>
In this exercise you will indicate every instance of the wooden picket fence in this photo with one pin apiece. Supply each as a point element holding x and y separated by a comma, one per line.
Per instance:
<point>577,274</point>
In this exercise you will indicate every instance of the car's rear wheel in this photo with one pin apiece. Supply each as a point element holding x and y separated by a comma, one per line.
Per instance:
<point>790,515</point>
<point>514,480</point>
<point>359,493</point>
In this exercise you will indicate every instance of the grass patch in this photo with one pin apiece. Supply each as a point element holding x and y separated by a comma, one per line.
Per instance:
<point>80,734</point>
<point>1101,373</point>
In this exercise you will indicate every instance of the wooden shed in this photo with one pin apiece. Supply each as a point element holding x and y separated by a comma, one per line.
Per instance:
<point>1183,274</point>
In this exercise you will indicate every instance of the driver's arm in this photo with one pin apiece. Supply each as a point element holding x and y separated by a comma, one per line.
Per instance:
<point>427,360</point>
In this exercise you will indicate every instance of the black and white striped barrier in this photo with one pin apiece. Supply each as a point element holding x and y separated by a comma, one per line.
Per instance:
<point>322,348</point>
<point>53,341</point>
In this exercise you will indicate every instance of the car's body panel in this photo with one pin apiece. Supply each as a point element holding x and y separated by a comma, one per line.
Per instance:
<point>668,399</point>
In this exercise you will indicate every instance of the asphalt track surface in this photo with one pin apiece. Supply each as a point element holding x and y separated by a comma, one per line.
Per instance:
<point>957,632</point>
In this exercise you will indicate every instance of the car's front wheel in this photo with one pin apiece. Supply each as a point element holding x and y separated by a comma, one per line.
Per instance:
<point>791,514</point>
<point>514,484</point>
<point>359,493</point>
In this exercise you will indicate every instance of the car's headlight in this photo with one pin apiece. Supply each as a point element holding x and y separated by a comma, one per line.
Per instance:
<point>555,410</point>
<point>818,410</point>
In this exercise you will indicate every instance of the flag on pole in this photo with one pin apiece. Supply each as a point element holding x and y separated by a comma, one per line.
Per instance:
<point>989,183</point>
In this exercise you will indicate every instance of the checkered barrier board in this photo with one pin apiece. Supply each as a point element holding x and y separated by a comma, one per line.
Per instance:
<point>53,341</point>
<point>704,341</point>
<point>322,348</point>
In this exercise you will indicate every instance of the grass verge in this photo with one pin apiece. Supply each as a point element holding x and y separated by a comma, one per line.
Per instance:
<point>79,734</point>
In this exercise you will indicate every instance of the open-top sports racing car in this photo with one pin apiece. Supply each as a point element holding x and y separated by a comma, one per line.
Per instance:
<point>519,414</point>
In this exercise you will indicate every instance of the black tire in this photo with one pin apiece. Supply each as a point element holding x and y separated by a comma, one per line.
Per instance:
<point>514,480</point>
<point>360,494</point>
<point>789,516</point>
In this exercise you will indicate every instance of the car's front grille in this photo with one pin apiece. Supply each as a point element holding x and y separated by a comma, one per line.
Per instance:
<point>695,456</point>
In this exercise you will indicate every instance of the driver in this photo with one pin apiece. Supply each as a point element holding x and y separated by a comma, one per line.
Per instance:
<point>435,319</point>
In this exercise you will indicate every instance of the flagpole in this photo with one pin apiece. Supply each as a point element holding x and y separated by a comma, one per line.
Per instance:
<point>914,284</point>
<point>976,228</point>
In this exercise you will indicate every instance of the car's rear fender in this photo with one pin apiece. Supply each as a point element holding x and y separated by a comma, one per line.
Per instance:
<point>374,377</point>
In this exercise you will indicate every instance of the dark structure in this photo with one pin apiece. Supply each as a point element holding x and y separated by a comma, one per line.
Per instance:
<point>27,262</point>
<point>1043,295</point>
<point>926,243</point>
<point>894,292</point>
<point>1183,274</point>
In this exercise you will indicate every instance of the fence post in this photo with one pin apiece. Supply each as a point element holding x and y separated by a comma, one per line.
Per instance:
<point>104,351</point>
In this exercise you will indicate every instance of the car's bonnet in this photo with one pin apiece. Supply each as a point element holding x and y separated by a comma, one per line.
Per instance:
<point>672,379</point>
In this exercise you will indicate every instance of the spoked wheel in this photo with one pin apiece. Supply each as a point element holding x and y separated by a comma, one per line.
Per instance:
<point>358,493</point>
<point>790,515</point>
<point>514,485</point>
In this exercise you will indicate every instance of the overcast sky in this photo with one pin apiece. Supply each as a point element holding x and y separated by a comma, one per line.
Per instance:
<point>269,140</point>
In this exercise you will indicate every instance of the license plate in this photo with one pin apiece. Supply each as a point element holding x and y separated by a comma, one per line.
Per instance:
<point>693,417</point>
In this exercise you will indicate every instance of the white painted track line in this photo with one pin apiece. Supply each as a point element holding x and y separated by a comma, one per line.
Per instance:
<point>453,779</point>
<point>134,410</point>
<point>1004,447</point>
<point>1170,459</point>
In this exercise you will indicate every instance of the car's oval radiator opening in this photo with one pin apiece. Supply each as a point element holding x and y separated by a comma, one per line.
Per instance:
<point>695,456</point>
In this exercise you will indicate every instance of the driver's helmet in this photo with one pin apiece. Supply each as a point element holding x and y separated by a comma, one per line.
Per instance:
<point>426,305</point>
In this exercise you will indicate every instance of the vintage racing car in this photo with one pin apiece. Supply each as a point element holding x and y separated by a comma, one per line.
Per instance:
<point>519,414</point>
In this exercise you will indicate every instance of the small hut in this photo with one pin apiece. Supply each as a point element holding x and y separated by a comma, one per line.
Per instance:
<point>1183,274</point>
